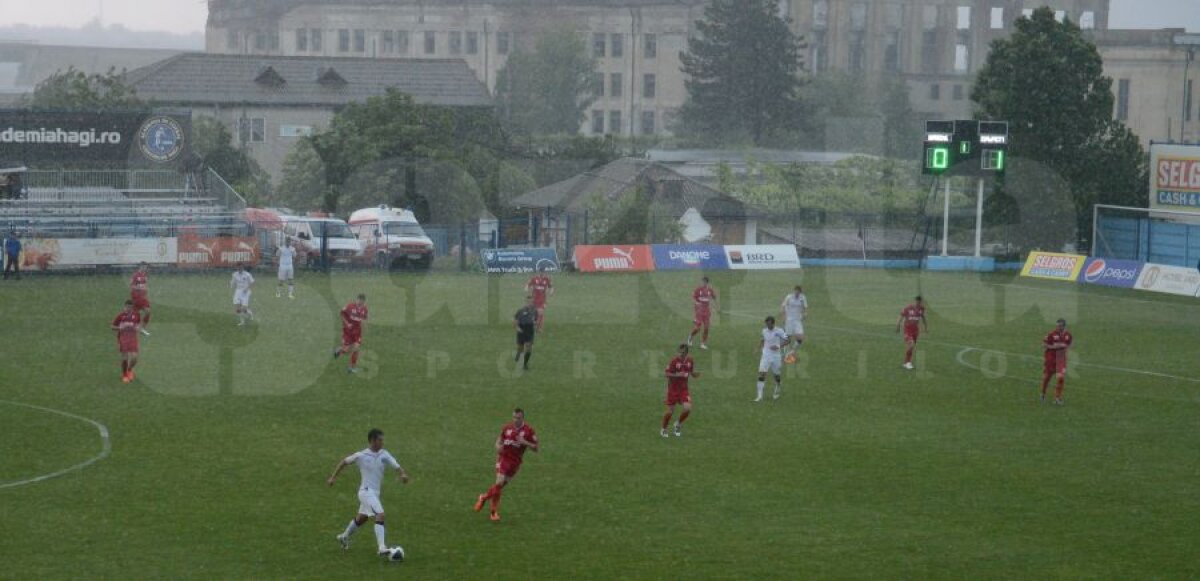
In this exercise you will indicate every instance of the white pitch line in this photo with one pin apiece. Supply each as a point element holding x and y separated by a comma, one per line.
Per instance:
<point>106,446</point>
<point>984,349</point>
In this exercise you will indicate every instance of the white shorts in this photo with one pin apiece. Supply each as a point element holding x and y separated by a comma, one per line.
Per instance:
<point>368,502</point>
<point>287,273</point>
<point>772,362</point>
<point>794,327</point>
<point>241,297</point>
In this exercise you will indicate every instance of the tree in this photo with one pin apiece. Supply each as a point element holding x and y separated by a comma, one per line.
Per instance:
<point>74,89</point>
<point>1047,81</point>
<point>213,145</point>
<point>548,90</point>
<point>741,70</point>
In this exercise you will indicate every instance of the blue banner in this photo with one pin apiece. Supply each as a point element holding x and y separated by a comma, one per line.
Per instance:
<point>519,260</point>
<point>691,256</point>
<point>1111,272</point>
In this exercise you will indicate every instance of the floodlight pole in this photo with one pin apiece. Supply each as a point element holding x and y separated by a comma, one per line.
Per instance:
<point>946,220</point>
<point>979,218</point>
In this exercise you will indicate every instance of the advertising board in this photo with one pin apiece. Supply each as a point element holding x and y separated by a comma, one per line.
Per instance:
<point>762,257</point>
<point>50,253</point>
<point>1053,266</point>
<point>1111,272</point>
<point>614,258</point>
<point>689,257</point>
<point>1175,280</point>
<point>519,260</point>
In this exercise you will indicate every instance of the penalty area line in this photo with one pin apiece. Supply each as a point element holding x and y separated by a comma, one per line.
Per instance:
<point>105,449</point>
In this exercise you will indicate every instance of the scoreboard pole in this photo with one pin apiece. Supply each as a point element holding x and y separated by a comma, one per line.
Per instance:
<point>946,221</point>
<point>979,219</point>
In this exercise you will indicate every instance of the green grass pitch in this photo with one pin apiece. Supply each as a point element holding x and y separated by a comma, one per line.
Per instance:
<point>220,449</point>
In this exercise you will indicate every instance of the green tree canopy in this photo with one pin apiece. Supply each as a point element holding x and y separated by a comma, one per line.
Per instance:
<point>1047,81</point>
<point>547,91</point>
<point>742,70</point>
<point>74,89</point>
<point>213,145</point>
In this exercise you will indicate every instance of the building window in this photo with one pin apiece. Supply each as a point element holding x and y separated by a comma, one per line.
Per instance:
<point>820,14</point>
<point>785,9</point>
<point>614,121</point>
<point>360,40</point>
<point>472,42</point>
<point>387,42</point>
<point>929,17</point>
<point>455,42</point>
<point>1060,15</point>
<point>935,92</point>
<point>958,92</point>
<point>1027,12</point>
<point>1123,100</point>
<point>502,42</point>
<point>402,41</point>
<point>1087,20</point>
<point>962,58</point>
<point>891,52</point>
<point>273,39</point>
<point>430,42</point>
<point>647,122</point>
<point>618,46</point>
<point>316,39</point>
<point>615,85</point>
<point>650,46</point>
<point>858,16</point>
<point>997,18</point>
<point>895,16</point>
<point>1187,101</point>
<point>302,40</point>
<point>252,129</point>
<point>818,52</point>
<point>858,51</point>
<point>597,122</point>
<point>649,90</point>
<point>260,40</point>
<point>343,40</point>
<point>964,18</point>
<point>598,44</point>
<point>598,84</point>
<point>231,39</point>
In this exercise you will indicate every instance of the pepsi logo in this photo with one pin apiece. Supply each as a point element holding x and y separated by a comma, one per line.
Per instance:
<point>1095,270</point>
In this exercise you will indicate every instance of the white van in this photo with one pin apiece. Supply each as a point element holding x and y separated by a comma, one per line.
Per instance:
<point>392,238</point>
<point>306,232</point>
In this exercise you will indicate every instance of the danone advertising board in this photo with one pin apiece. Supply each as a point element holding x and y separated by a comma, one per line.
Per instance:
<point>519,260</point>
<point>1175,177</point>
<point>689,257</point>
<point>1053,266</point>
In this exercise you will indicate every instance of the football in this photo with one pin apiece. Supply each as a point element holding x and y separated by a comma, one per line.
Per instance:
<point>396,554</point>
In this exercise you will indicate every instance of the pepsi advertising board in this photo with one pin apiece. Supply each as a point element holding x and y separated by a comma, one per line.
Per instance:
<point>1111,272</point>
<point>519,260</point>
<point>690,257</point>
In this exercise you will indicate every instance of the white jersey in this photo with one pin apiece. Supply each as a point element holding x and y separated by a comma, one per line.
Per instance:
<point>241,281</point>
<point>794,306</point>
<point>371,465</point>
<point>773,338</point>
<point>287,256</point>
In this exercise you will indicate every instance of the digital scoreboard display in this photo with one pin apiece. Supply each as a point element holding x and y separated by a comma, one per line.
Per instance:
<point>965,147</point>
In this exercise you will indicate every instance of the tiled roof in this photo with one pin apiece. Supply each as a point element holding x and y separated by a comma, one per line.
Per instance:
<point>203,78</point>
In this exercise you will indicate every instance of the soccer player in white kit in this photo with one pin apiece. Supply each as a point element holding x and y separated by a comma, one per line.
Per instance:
<point>371,462</point>
<point>772,343</point>
<point>794,310</point>
<point>240,283</point>
<point>287,271</point>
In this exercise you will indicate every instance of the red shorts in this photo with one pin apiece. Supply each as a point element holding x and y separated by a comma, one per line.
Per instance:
<point>702,318</point>
<point>1054,362</point>
<point>351,336</point>
<point>539,304</point>
<point>128,344</point>
<point>507,467</point>
<point>140,302</point>
<point>677,396</point>
<point>912,333</point>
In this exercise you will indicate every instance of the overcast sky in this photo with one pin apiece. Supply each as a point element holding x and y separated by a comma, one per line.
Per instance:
<point>189,15</point>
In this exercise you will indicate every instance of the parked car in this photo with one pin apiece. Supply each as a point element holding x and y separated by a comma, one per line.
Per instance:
<point>307,232</point>
<point>392,238</point>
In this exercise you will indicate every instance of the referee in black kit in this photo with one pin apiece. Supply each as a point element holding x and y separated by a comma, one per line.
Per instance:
<point>523,322</point>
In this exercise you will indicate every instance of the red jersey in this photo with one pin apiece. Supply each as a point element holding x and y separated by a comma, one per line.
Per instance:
<point>353,316</point>
<point>137,284</point>
<point>539,285</point>
<point>1057,336</point>
<point>510,450</point>
<point>703,297</point>
<point>912,315</point>
<point>679,365</point>
<point>127,324</point>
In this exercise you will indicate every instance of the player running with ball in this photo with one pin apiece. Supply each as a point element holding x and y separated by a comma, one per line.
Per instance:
<point>371,462</point>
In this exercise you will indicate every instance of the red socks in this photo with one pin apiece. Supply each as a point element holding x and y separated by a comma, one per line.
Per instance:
<point>354,358</point>
<point>908,355</point>
<point>1058,388</point>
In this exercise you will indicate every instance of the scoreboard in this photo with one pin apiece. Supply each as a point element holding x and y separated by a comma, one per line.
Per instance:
<point>965,147</point>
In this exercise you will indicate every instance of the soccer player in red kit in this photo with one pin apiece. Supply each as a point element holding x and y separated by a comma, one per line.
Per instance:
<point>678,371</point>
<point>127,324</point>
<point>704,300</point>
<point>138,294</point>
<point>1056,344</point>
<point>354,316</point>
<point>511,444</point>
<point>541,287</point>
<point>912,317</point>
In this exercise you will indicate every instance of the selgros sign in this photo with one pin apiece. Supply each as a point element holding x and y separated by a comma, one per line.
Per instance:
<point>614,258</point>
<point>762,257</point>
<point>1175,280</point>
<point>1053,266</point>
<point>693,256</point>
<point>1111,272</point>
<point>134,138</point>
<point>522,260</point>
<point>1175,177</point>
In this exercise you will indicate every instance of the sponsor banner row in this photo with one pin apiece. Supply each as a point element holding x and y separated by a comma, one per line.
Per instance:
<point>1053,266</point>
<point>519,260</point>
<point>65,253</point>
<point>1176,280</point>
<point>644,258</point>
<point>1111,272</point>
